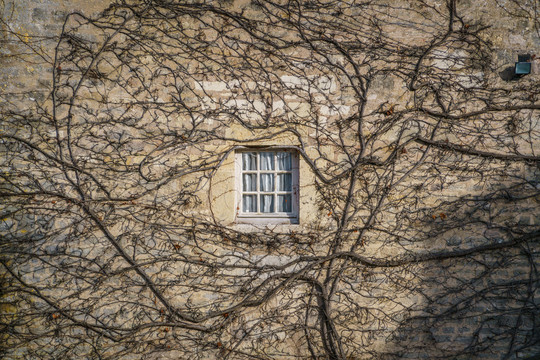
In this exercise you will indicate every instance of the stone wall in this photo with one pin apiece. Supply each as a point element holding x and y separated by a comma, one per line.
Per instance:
<point>419,210</point>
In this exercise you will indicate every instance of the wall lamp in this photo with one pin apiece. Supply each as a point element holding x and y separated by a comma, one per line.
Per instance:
<point>523,65</point>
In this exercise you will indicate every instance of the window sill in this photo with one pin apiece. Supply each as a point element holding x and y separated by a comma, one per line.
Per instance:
<point>281,228</point>
<point>267,220</point>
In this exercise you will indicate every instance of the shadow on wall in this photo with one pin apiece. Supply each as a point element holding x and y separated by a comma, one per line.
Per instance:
<point>508,74</point>
<point>481,303</point>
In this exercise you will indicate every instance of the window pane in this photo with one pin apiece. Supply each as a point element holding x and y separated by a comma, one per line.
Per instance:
<point>249,161</point>
<point>249,203</point>
<point>267,182</point>
<point>284,182</point>
<point>284,203</point>
<point>267,203</point>
<point>283,161</point>
<point>249,182</point>
<point>267,160</point>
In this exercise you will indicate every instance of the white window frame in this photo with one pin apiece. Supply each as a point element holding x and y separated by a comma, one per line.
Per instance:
<point>260,217</point>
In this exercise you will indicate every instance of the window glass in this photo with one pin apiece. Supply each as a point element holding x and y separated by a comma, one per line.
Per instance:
<point>284,203</point>
<point>267,182</point>
<point>267,203</point>
<point>284,161</point>
<point>249,161</point>
<point>249,182</point>
<point>284,182</point>
<point>267,160</point>
<point>249,203</point>
<point>266,185</point>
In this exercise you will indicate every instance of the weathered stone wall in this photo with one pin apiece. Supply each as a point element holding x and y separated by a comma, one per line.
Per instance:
<point>417,266</point>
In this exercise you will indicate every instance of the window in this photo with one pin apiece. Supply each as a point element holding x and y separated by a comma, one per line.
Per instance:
<point>267,184</point>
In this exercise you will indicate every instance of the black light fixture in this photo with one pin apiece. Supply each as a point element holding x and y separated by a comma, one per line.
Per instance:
<point>523,65</point>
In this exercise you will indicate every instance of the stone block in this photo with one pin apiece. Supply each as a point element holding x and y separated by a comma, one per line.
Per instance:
<point>41,15</point>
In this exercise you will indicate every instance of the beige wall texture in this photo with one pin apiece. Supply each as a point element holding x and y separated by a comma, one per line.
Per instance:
<point>419,180</point>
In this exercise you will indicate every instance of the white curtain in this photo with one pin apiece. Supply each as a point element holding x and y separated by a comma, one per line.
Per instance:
<point>249,161</point>
<point>249,182</point>
<point>249,203</point>
<point>267,182</point>
<point>267,203</point>
<point>267,160</point>
<point>284,161</point>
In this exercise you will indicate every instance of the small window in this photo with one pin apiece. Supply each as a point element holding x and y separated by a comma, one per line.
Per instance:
<point>267,186</point>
